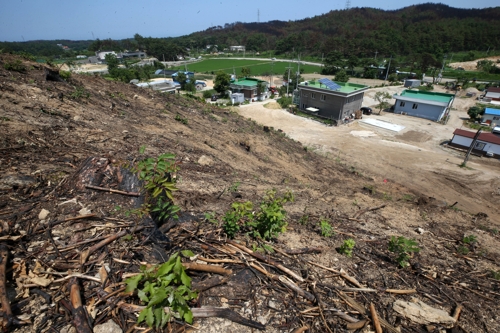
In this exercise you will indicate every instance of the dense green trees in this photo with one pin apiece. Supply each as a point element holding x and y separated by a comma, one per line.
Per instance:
<point>222,82</point>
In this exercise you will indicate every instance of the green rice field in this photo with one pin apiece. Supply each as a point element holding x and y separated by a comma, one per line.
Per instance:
<point>257,67</point>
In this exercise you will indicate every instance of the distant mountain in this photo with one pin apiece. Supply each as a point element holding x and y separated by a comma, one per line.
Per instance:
<point>432,28</point>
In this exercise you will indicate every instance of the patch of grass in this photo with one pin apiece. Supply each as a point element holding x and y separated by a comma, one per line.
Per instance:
<point>181,119</point>
<point>16,66</point>
<point>79,92</point>
<point>463,250</point>
<point>369,188</point>
<point>407,197</point>
<point>387,197</point>
<point>234,187</point>
<point>495,275</point>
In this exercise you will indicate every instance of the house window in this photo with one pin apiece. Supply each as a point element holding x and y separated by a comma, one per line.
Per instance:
<point>402,104</point>
<point>305,94</point>
<point>312,96</point>
<point>323,97</point>
<point>414,106</point>
<point>480,145</point>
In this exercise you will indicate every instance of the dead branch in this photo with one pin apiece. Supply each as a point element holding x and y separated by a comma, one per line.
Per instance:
<point>86,254</point>
<point>304,250</point>
<point>376,322</point>
<point>40,227</point>
<point>209,283</point>
<point>267,260</point>
<point>7,311</point>
<point>301,329</point>
<point>401,291</point>
<point>362,211</point>
<point>207,268</point>
<point>80,320</point>
<point>341,273</point>
<point>132,194</point>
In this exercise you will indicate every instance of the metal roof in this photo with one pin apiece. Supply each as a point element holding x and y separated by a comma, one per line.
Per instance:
<point>485,137</point>
<point>428,96</point>
<point>495,112</point>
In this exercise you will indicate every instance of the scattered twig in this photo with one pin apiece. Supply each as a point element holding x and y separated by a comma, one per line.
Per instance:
<point>132,194</point>
<point>8,317</point>
<point>267,260</point>
<point>376,322</point>
<point>362,211</point>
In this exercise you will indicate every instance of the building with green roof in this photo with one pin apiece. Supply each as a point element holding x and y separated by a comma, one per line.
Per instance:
<point>248,87</point>
<point>331,100</point>
<point>423,104</point>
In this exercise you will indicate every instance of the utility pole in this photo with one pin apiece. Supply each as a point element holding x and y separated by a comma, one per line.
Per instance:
<point>376,52</point>
<point>298,73</point>
<point>471,147</point>
<point>288,82</point>
<point>388,67</point>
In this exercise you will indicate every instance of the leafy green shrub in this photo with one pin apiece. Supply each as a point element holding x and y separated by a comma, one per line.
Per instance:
<point>284,101</point>
<point>156,175</point>
<point>326,228</point>
<point>208,93</point>
<point>166,285</point>
<point>270,220</point>
<point>464,250</point>
<point>347,246</point>
<point>469,239</point>
<point>403,247</point>
<point>267,223</point>
<point>65,75</point>
<point>239,212</point>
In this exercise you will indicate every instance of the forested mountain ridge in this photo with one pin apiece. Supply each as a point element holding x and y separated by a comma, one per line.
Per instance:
<point>432,28</point>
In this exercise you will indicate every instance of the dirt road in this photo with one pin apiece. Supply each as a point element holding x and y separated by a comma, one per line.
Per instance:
<point>413,157</point>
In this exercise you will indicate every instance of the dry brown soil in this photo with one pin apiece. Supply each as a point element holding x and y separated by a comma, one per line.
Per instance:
<point>52,131</point>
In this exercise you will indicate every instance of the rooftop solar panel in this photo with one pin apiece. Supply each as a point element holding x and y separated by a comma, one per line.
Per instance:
<point>330,84</point>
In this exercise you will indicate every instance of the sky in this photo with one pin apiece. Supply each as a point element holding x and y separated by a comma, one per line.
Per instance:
<point>23,20</point>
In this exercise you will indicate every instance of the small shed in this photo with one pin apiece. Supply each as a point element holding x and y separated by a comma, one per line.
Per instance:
<point>412,83</point>
<point>237,98</point>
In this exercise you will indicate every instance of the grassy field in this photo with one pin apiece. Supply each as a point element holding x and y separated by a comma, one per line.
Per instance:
<point>257,67</point>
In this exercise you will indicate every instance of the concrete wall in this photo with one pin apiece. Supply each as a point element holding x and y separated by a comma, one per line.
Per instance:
<point>431,112</point>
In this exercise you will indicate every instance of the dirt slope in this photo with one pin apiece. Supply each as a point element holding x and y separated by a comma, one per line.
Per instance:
<point>49,133</point>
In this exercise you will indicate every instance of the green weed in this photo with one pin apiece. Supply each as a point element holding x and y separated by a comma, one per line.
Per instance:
<point>326,228</point>
<point>347,246</point>
<point>403,248</point>
<point>469,239</point>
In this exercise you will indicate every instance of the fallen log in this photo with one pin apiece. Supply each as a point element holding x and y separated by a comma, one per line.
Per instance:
<point>80,320</point>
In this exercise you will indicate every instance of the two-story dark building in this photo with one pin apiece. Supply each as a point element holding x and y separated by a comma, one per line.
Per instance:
<point>331,100</point>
